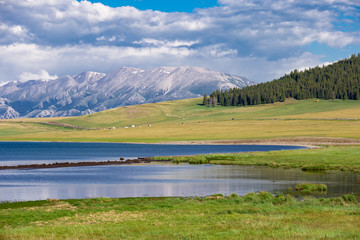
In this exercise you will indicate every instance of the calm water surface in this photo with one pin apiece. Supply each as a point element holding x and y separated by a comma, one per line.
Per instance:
<point>15,153</point>
<point>144,180</point>
<point>160,180</point>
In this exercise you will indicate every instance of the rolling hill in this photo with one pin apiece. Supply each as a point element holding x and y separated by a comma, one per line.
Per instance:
<point>340,80</point>
<point>187,120</point>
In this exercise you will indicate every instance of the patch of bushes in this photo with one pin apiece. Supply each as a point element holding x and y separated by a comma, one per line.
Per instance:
<point>220,157</point>
<point>308,188</point>
<point>349,198</point>
<point>234,195</point>
<point>332,201</point>
<point>260,197</point>
<point>314,168</point>
<point>196,159</point>
<point>279,198</point>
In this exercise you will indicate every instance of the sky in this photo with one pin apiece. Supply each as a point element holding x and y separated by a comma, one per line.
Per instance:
<point>258,39</point>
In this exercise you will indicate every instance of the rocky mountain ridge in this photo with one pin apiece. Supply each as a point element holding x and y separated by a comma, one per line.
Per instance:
<point>91,92</point>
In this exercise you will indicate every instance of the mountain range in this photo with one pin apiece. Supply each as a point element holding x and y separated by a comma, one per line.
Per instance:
<point>91,92</point>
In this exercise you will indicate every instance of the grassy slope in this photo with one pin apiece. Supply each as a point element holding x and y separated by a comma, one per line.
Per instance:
<point>254,216</point>
<point>187,120</point>
<point>251,217</point>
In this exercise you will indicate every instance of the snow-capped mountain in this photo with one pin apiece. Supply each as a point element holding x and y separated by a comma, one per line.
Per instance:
<point>91,92</point>
<point>7,112</point>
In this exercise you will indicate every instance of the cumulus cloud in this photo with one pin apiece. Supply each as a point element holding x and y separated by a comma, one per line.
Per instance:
<point>68,36</point>
<point>41,75</point>
<point>75,59</point>
<point>156,42</point>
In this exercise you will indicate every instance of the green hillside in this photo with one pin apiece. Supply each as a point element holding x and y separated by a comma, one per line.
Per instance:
<point>340,80</point>
<point>189,120</point>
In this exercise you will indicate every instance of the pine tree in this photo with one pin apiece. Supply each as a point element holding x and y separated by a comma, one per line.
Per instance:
<point>340,80</point>
<point>205,100</point>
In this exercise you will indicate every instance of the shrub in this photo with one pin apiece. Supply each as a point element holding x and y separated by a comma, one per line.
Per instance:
<point>314,168</point>
<point>349,198</point>
<point>265,196</point>
<point>234,195</point>
<point>200,159</point>
<point>217,195</point>
<point>279,198</point>
<point>260,197</point>
<point>311,188</point>
<point>197,198</point>
<point>334,201</point>
<point>251,197</point>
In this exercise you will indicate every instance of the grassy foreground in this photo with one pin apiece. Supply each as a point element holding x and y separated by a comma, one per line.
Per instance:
<point>254,216</point>
<point>186,120</point>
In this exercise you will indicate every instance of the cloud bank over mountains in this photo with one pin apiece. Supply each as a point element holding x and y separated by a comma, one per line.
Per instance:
<point>258,39</point>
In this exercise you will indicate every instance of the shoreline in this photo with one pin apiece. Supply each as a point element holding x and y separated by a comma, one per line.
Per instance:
<point>308,142</point>
<point>137,161</point>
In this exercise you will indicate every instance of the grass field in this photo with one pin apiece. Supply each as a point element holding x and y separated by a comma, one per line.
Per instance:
<point>254,216</point>
<point>292,122</point>
<point>343,158</point>
<point>187,120</point>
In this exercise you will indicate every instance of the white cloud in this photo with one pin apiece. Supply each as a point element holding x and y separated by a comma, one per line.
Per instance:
<point>41,75</point>
<point>22,59</point>
<point>175,43</point>
<point>11,33</point>
<point>65,60</point>
<point>336,39</point>
<point>68,36</point>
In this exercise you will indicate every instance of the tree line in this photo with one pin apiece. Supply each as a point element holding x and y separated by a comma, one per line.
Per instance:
<point>340,80</point>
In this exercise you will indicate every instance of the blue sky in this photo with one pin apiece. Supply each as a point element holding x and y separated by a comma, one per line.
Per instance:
<point>164,6</point>
<point>258,39</point>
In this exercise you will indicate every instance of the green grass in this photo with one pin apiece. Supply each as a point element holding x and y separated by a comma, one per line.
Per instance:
<point>254,216</point>
<point>187,120</point>
<point>311,188</point>
<point>191,110</point>
<point>344,158</point>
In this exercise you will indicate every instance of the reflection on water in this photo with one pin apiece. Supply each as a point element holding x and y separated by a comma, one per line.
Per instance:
<point>160,180</point>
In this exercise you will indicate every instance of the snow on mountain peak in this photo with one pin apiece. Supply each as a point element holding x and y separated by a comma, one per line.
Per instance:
<point>90,92</point>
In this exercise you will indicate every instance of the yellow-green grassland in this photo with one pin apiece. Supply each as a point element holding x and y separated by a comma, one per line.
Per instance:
<point>333,126</point>
<point>188,120</point>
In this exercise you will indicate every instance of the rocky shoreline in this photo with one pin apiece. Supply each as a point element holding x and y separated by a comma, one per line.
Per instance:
<point>82,164</point>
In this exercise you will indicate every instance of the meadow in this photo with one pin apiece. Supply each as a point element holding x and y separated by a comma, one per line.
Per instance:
<point>332,125</point>
<point>253,216</point>
<point>188,120</point>
<point>341,158</point>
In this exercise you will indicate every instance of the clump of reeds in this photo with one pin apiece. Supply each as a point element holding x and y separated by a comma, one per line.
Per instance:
<point>311,188</point>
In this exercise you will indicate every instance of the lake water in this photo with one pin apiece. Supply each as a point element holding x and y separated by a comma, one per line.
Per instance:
<point>160,180</point>
<point>15,153</point>
<point>145,180</point>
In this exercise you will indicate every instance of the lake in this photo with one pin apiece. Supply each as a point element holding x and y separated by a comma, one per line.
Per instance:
<point>160,180</point>
<point>16,153</point>
<point>145,180</point>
